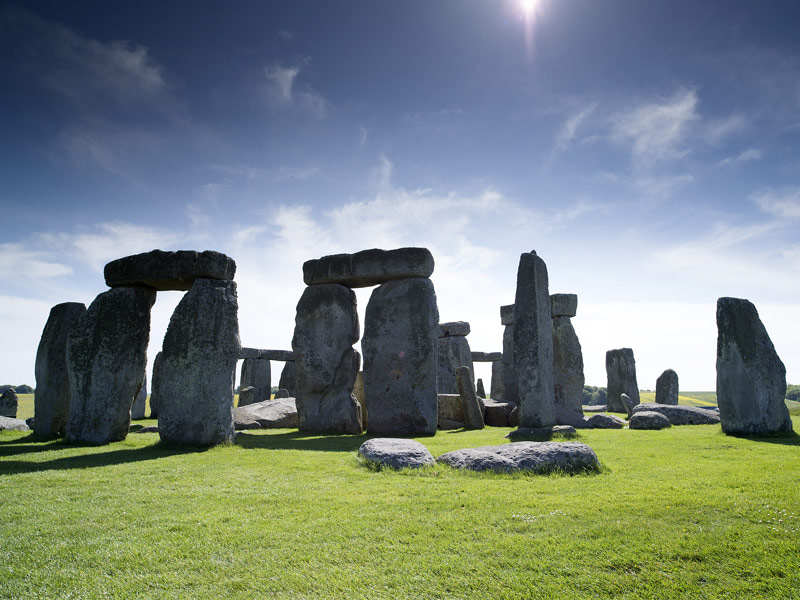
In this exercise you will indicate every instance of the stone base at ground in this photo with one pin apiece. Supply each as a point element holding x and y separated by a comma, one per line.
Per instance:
<point>448,425</point>
<point>395,453</point>
<point>269,414</point>
<point>648,419</point>
<point>537,457</point>
<point>681,415</point>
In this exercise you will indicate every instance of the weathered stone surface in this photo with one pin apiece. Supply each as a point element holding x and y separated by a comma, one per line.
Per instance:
<point>621,372</point>
<point>358,394</point>
<point>450,408</point>
<point>198,365</point>
<point>369,267</point>
<point>667,388</point>
<point>603,421</point>
<point>497,414</point>
<point>155,387</point>
<point>498,385</point>
<point>648,419</point>
<point>486,356</point>
<point>541,433</point>
<point>627,404</point>
<point>169,270</point>
<point>513,417</point>
<point>466,389</point>
<point>593,408</point>
<point>681,415</point>
<point>283,394</point>
<point>106,360</point>
<point>574,419</point>
<point>533,344</point>
<point>140,401</point>
<point>396,454</point>
<point>563,305</point>
<point>51,399</point>
<point>9,403</point>
<point>269,414</point>
<point>454,328</point>
<point>568,379</point>
<point>279,355</point>
<point>452,353</point>
<point>12,424</point>
<point>288,380</point>
<point>479,389</point>
<point>751,378</point>
<point>257,376</point>
<point>326,364</point>
<point>507,314</point>
<point>538,457</point>
<point>510,387</point>
<point>400,357</point>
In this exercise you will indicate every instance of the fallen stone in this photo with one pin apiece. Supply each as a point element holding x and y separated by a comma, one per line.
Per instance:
<point>486,356</point>
<point>257,353</point>
<point>542,433</point>
<point>466,389</point>
<point>536,457</point>
<point>269,414</point>
<point>9,403</point>
<point>603,421</point>
<point>169,270</point>
<point>497,414</point>
<point>667,388</point>
<point>594,408</point>
<point>288,380</point>
<point>507,314</point>
<point>454,328</point>
<point>648,419</point>
<point>255,381</point>
<point>12,424</point>
<point>140,401</point>
<point>396,454</point>
<point>563,305</point>
<point>369,267</point>
<point>621,373</point>
<point>681,414</point>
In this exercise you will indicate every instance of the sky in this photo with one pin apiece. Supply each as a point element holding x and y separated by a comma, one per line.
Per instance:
<point>648,151</point>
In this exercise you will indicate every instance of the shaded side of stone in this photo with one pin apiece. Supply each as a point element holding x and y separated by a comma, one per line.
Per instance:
<point>454,328</point>
<point>667,388</point>
<point>563,305</point>
<point>369,267</point>
<point>288,379</point>
<point>568,378</point>
<point>256,374</point>
<point>155,387</point>
<point>140,401</point>
<point>9,402</point>
<point>453,352</point>
<point>169,270</point>
<point>497,414</point>
<point>498,385</point>
<point>507,314</point>
<point>279,355</point>
<point>510,387</point>
<point>621,373</point>
<point>486,356</point>
<point>450,409</point>
<point>466,390</point>
<point>479,389</point>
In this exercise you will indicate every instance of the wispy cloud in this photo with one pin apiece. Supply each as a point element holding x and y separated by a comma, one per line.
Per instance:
<point>784,204</point>
<point>748,155</point>
<point>283,91</point>
<point>570,127</point>
<point>718,130</point>
<point>293,173</point>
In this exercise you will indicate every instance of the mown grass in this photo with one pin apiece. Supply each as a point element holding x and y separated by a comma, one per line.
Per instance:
<point>682,513</point>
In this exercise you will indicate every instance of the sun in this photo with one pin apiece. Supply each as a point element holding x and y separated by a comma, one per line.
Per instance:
<point>527,6</point>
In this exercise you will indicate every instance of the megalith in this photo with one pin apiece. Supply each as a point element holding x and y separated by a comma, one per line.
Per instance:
<point>751,378</point>
<point>326,364</point>
<point>479,389</point>
<point>508,383</point>
<point>256,375</point>
<point>621,373</point>
<point>198,364</point>
<point>533,344</point>
<point>453,352</point>
<point>155,386</point>
<point>498,385</point>
<point>51,398</point>
<point>667,388</point>
<point>106,360</point>
<point>140,401</point>
<point>287,380</point>
<point>567,355</point>
<point>469,400</point>
<point>163,271</point>
<point>9,403</point>
<point>369,267</point>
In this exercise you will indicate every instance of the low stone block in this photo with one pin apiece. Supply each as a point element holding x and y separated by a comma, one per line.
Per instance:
<point>648,419</point>
<point>11,424</point>
<point>369,267</point>
<point>9,403</point>
<point>541,433</point>
<point>497,414</point>
<point>279,355</point>
<point>681,414</point>
<point>454,328</point>
<point>563,305</point>
<point>537,457</point>
<point>169,270</point>
<point>603,421</point>
<point>269,414</point>
<point>396,453</point>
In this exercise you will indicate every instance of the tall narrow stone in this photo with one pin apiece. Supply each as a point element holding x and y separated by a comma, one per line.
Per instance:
<point>509,385</point>
<point>140,401</point>
<point>498,385</point>
<point>751,378</point>
<point>198,365</point>
<point>453,352</point>
<point>621,373</point>
<point>469,400</point>
<point>51,399</point>
<point>326,364</point>
<point>287,380</point>
<point>256,374</point>
<point>567,355</point>
<point>667,388</point>
<point>106,360</point>
<point>155,387</point>
<point>400,357</point>
<point>533,344</point>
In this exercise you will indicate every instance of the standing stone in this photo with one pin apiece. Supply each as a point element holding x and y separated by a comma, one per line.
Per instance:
<point>155,387</point>
<point>498,386</point>
<point>256,374</point>
<point>198,366</point>
<point>667,388</point>
<point>533,344</point>
<point>453,352</point>
<point>400,357</point>
<point>326,364</point>
<point>106,360</point>
<point>479,389</point>
<point>472,408</point>
<point>9,403</point>
<point>287,381</point>
<point>51,399</point>
<point>140,401</point>
<point>751,379</point>
<point>509,374</point>
<point>567,354</point>
<point>621,373</point>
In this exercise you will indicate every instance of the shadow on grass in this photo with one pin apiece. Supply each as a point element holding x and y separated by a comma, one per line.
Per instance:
<point>301,440</point>
<point>784,439</point>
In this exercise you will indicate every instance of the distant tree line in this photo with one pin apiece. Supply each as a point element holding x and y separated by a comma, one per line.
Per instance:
<point>593,395</point>
<point>20,389</point>
<point>793,392</point>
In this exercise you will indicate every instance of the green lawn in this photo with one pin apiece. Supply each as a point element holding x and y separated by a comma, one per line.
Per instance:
<point>682,513</point>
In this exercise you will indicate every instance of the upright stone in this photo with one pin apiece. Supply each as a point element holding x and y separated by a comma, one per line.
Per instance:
<point>140,401</point>
<point>498,385</point>
<point>667,388</point>
<point>621,373</point>
<point>466,389</point>
<point>479,389</point>
<point>256,374</point>
<point>155,387</point>
<point>567,354</point>
<point>400,357</point>
<point>51,399</point>
<point>106,360</point>
<point>453,352</point>
<point>509,374</point>
<point>326,364</point>
<point>533,344</point>
<point>198,366</point>
<point>287,380</point>
<point>9,402</point>
<point>751,379</point>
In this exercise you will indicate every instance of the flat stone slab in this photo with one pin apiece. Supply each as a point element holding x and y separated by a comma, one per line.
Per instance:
<point>602,421</point>
<point>563,305</point>
<point>681,415</point>
<point>648,419</point>
<point>454,328</point>
<point>486,356</point>
<point>536,457</point>
<point>10,424</point>
<point>544,433</point>
<point>369,267</point>
<point>169,270</point>
<point>269,414</point>
<point>396,453</point>
<point>279,355</point>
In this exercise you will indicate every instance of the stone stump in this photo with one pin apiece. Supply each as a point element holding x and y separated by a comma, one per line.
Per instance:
<point>140,401</point>
<point>9,402</point>
<point>256,374</point>
<point>667,388</point>
<point>567,355</point>
<point>453,352</point>
<point>621,373</point>
<point>287,380</point>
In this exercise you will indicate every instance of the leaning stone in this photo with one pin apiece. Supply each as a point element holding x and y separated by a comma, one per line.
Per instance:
<point>447,424</point>
<point>199,357</point>
<point>396,454</point>
<point>169,270</point>
<point>288,380</point>
<point>51,398</point>
<point>106,361</point>
<point>369,267</point>
<point>497,414</point>
<point>12,424</point>
<point>282,394</point>
<point>487,356</point>
<point>542,433</point>
<point>507,314</point>
<point>564,305</point>
<point>648,419</point>
<point>603,421</point>
<point>479,389</point>
<point>667,388</point>
<point>452,353</point>
<point>536,457</point>
<point>621,372</point>
<point>450,409</point>
<point>681,414</point>
<point>155,387</point>
<point>627,404</point>
<point>140,401</point>
<point>256,375</point>
<point>269,414</point>
<point>466,389</point>
<point>568,378</point>
<point>751,378</point>
<point>9,403</point>
<point>454,328</point>
<point>279,355</point>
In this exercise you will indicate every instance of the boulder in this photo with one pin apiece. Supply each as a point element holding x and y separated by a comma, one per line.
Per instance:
<point>452,353</point>
<point>487,356</point>
<point>536,457</point>
<point>326,364</point>
<point>681,415</point>
<point>454,328</point>
<point>369,267</point>
<point>169,270</point>
<point>541,433</point>
<point>257,376</point>
<point>12,424</point>
<point>155,387</point>
<point>563,305</point>
<point>497,414</point>
<point>621,372</point>
<point>140,401</point>
<point>472,408</point>
<point>106,360</point>
<point>288,380</point>
<point>568,379</point>
<point>667,388</point>
<point>283,394</point>
<point>9,403</point>
<point>279,355</point>
<point>395,453</point>
<point>603,421</point>
<point>198,364</point>
<point>269,414</point>
<point>400,357</point>
<point>751,378</point>
<point>51,399</point>
<point>648,419</point>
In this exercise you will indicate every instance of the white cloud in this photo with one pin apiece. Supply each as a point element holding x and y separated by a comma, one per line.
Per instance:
<point>284,92</point>
<point>784,204</point>
<point>747,155</point>
<point>719,129</point>
<point>19,262</point>
<point>570,127</point>
<point>294,173</point>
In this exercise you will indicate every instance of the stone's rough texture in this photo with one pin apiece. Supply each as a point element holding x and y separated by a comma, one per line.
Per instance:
<point>169,270</point>
<point>487,356</point>
<point>140,401</point>
<point>573,419</point>
<point>279,355</point>
<point>498,385</point>
<point>198,367</point>
<point>155,387</point>
<point>751,379</point>
<point>507,314</point>
<point>510,386</point>
<point>369,267</point>
<point>448,424</point>
<point>283,394</point>
<point>466,389</point>
<point>667,388</point>
<point>51,400</point>
<point>257,375</point>
<point>601,421</point>
<point>9,403</point>
<point>358,394</point>
<point>621,372</point>
<point>450,409</point>
<point>454,328</point>
<point>542,433</point>
<point>269,414</point>
<point>453,352</point>
<point>497,414</point>
<point>648,419</point>
<point>627,404</point>
<point>288,380</point>
<point>563,305</point>
<point>533,344</point>
<point>568,379</point>
<point>326,364</point>
<point>681,415</point>
<point>106,360</point>
<point>538,457</point>
<point>479,389</point>
<point>12,424</point>
<point>400,351</point>
<point>397,454</point>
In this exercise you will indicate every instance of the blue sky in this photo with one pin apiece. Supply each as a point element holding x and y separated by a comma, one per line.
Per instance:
<point>648,151</point>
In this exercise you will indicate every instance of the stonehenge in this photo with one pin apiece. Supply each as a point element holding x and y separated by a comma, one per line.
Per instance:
<point>453,352</point>
<point>140,401</point>
<point>9,404</point>
<point>667,388</point>
<point>567,356</point>
<point>621,373</point>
